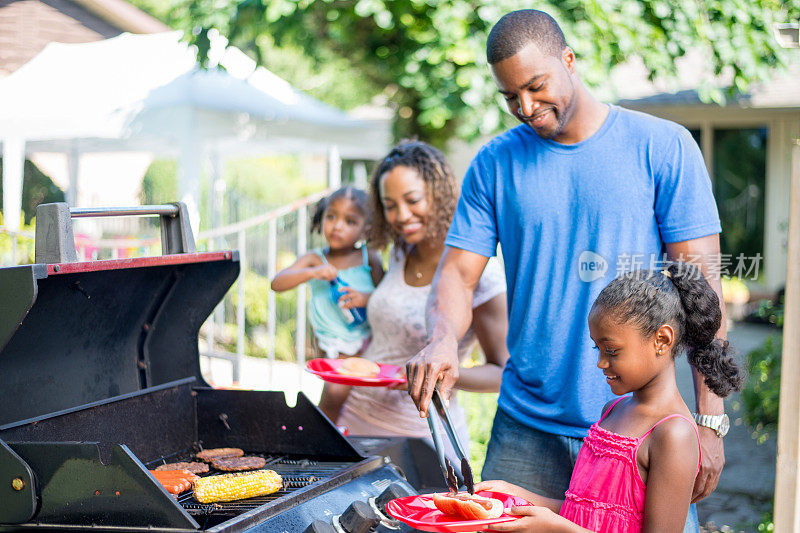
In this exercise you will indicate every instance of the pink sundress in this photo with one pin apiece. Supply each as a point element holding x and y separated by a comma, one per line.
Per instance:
<point>606,493</point>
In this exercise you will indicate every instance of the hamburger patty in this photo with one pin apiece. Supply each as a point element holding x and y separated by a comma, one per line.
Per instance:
<point>194,468</point>
<point>238,464</point>
<point>213,453</point>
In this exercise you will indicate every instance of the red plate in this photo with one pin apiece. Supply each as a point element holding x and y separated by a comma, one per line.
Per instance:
<point>328,369</point>
<point>420,513</point>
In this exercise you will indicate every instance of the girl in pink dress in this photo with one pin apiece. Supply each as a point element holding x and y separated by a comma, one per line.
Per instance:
<point>636,469</point>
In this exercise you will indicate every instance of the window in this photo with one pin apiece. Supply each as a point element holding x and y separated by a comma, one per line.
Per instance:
<point>739,184</point>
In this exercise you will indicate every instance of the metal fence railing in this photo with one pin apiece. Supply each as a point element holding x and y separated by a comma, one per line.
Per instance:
<point>264,242</point>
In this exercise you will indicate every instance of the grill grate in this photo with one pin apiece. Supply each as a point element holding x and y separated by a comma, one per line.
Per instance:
<point>297,473</point>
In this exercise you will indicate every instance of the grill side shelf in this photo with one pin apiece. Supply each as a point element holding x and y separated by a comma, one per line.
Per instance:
<point>17,488</point>
<point>85,484</point>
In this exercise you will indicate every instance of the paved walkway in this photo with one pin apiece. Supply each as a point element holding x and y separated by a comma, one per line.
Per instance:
<point>256,374</point>
<point>747,483</point>
<point>745,489</point>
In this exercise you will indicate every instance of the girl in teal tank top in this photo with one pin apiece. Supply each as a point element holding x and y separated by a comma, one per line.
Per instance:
<point>337,331</point>
<point>342,219</point>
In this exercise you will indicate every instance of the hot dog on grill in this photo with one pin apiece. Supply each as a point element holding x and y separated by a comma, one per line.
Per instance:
<point>175,481</point>
<point>469,506</point>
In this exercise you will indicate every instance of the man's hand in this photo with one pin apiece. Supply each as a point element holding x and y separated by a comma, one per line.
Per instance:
<point>712,461</point>
<point>438,361</point>
<point>353,298</point>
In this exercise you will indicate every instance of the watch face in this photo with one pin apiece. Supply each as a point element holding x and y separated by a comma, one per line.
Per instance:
<point>724,426</point>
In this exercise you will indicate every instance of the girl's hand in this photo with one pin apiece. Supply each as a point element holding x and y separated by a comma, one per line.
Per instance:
<point>353,298</point>
<point>325,271</point>
<point>507,488</point>
<point>498,485</point>
<point>534,519</point>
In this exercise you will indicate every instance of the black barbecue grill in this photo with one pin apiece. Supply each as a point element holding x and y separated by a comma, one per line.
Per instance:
<point>101,381</point>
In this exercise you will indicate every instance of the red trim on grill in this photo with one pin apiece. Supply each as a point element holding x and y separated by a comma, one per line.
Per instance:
<point>136,262</point>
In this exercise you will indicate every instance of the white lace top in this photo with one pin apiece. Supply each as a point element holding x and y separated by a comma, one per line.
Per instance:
<point>396,314</point>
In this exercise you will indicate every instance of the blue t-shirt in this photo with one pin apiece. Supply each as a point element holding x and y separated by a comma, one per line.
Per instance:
<point>569,218</point>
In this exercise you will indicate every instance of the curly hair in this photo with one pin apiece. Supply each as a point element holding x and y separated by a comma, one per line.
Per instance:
<point>357,196</point>
<point>680,296</point>
<point>440,182</point>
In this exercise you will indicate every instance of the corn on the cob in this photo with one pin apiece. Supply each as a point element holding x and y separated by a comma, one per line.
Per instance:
<point>229,487</point>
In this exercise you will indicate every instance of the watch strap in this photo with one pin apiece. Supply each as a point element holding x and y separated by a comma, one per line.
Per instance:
<point>709,421</point>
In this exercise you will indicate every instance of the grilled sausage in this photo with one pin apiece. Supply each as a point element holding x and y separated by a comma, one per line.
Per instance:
<point>174,481</point>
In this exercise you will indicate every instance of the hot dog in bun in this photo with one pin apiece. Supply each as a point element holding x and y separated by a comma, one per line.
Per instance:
<point>469,506</point>
<point>356,366</point>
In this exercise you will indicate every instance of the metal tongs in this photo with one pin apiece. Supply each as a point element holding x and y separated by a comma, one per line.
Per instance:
<point>440,413</point>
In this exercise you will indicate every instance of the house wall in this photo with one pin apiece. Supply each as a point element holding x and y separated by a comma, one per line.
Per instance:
<point>783,125</point>
<point>27,26</point>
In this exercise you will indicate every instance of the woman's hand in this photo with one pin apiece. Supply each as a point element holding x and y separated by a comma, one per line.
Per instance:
<point>325,271</point>
<point>353,298</point>
<point>401,373</point>
<point>535,519</point>
<point>490,324</point>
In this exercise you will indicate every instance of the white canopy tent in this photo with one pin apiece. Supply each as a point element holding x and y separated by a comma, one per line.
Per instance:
<point>146,93</point>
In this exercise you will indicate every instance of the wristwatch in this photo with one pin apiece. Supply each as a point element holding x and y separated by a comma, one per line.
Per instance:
<point>719,423</point>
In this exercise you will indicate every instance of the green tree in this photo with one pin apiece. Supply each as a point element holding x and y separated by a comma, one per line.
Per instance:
<point>320,76</point>
<point>428,55</point>
<point>37,188</point>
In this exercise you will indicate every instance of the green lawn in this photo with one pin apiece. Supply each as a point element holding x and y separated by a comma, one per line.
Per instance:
<point>480,410</point>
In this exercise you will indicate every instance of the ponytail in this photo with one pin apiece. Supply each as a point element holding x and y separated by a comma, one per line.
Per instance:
<point>701,321</point>
<point>319,211</point>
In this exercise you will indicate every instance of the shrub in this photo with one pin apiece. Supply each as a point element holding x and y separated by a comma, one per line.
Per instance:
<point>25,246</point>
<point>771,311</point>
<point>37,188</point>
<point>766,524</point>
<point>256,316</point>
<point>761,393</point>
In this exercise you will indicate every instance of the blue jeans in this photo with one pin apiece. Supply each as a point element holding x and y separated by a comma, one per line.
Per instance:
<point>538,461</point>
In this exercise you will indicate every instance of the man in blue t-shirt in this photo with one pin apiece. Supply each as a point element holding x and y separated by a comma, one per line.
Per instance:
<point>579,193</point>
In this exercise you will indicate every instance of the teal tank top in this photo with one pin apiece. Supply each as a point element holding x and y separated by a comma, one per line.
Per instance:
<point>325,315</point>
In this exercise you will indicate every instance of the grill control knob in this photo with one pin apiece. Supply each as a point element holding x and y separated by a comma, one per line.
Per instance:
<point>359,518</point>
<point>393,491</point>
<point>318,526</point>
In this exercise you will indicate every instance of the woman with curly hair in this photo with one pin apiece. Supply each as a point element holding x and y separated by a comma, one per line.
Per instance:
<point>413,195</point>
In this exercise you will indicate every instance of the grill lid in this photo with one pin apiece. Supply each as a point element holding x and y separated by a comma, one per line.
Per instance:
<point>75,333</point>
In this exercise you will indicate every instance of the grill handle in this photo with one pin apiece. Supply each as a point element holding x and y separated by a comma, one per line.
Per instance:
<point>55,241</point>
